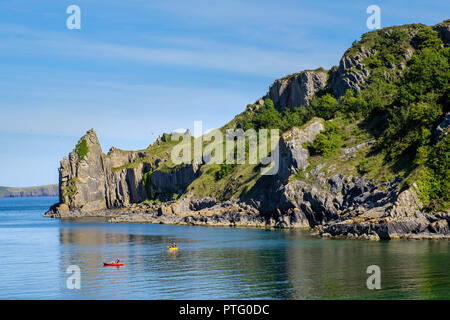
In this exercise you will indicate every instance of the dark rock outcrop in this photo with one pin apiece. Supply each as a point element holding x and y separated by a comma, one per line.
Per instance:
<point>293,156</point>
<point>176,180</point>
<point>296,90</point>
<point>443,30</point>
<point>82,176</point>
<point>351,73</point>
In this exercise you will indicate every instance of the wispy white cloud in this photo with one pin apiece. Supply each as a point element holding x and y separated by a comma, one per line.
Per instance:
<point>192,53</point>
<point>117,110</point>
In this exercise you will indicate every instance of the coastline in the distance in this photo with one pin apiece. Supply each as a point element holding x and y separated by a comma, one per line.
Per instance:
<point>50,190</point>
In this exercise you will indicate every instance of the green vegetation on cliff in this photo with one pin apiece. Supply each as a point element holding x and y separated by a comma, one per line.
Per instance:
<point>268,117</point>
<point>82,149</point>
<point>148,185</point>
<point>224,170</point>
<point>70,189</point>
<point>433,179</point>
<point>380,109</point>
<point>412,106</point>
<point>404,99</point>
<point>327,143</point>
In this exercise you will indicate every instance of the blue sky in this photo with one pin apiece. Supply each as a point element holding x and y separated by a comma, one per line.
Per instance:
<point>139,68</point>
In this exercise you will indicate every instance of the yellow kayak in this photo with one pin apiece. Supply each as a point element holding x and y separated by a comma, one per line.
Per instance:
<point>172,249</point>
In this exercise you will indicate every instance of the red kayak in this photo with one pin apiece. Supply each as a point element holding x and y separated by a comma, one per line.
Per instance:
<point>113,264</point>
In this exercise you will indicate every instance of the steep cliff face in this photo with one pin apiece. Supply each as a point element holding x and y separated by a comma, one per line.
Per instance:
<point>175,180</point>
<point>351,73</point>
<point>82,176</point>
<point>443,29</point>
<point>123,185</point>
<point>296,90</point>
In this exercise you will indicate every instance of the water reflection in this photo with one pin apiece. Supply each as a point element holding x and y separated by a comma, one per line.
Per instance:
<point>227,263</point>
<point>337,269</point>
<point>212,263</point>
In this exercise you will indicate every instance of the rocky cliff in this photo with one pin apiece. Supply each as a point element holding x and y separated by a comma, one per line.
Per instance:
<point>90,180</point>
<point>296,90</point>
<point>334,176</point>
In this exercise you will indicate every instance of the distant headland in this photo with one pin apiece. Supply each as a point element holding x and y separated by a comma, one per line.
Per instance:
<point>36,191</point>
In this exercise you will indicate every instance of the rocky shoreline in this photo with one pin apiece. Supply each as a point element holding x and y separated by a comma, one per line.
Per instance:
<point>238,214</point>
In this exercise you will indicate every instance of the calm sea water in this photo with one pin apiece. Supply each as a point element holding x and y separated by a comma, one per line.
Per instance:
<point>212,263</point>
